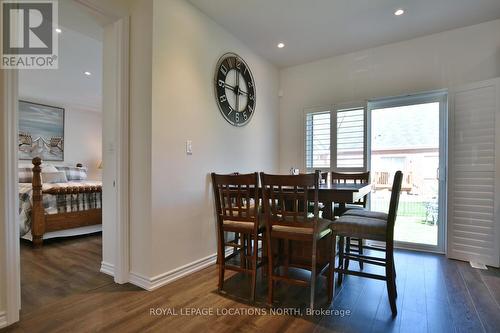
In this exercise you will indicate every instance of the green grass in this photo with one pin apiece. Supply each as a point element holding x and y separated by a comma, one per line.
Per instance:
<point>406,208</point>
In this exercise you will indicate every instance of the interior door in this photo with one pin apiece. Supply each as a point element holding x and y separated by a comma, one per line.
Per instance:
<point>474,188</point>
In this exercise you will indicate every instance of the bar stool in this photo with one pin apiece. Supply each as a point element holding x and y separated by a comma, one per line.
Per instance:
<point>371,227</point>
<point>286,200</point>
<point>238,211</point>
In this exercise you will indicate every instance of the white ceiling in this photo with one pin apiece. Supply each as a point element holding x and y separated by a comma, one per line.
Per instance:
<point>80,50</point>
<point>316,29</point>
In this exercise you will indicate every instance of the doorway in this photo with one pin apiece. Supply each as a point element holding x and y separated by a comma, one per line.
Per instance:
<point>115,21</point>
<point>409,134</point>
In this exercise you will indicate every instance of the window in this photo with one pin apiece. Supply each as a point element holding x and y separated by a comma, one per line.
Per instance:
<point>351,138</point>
<point>335,140</point>
<point>318,154</point>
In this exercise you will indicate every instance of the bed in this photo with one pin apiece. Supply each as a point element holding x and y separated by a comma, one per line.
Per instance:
<point>58,207</point>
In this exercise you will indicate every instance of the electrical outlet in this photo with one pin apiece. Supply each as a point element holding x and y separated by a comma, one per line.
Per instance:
<point>189,147</point>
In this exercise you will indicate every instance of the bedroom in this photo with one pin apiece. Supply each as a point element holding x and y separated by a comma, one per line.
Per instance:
<point>60,121</point>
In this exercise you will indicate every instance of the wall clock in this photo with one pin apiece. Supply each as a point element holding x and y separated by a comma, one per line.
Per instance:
<point>234,89</point>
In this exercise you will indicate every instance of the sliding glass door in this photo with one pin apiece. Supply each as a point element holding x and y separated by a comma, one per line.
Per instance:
<point>409,134</point>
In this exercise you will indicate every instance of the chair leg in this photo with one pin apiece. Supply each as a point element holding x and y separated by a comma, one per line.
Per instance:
<point>287,256</point>
<point>331,269</point>
<point>347,251</point>
<point>255,250</point>
<point>389,273</point>
<point>236,240</point>
<point>242,250</point>
<point>341,260</point>
<point>313,275</point>
<point>222,260</point>
<point>360,248</point>
<point>270,282</point>
<point>394,279</point>
<point>264,256</point>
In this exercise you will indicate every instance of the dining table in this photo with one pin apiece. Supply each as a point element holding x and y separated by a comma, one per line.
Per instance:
<point>328,194</point>
<point>342,194</point>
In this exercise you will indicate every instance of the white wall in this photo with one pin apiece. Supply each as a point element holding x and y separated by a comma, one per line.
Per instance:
<point>432,62</point>
<point>83,140</point>
<point>141,35</point>
<point>186,47</point>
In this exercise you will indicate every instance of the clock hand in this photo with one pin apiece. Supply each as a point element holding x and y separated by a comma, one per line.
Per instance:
<point>237,91</point>
<point>230,87</point>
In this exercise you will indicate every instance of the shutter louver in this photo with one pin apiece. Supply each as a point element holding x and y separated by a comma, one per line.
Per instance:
<point>318,140</point>
<point>350,138</point>
<point>472,223</point>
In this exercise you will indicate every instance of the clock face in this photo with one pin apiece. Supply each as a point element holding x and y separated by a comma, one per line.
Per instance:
<point>234,89</point>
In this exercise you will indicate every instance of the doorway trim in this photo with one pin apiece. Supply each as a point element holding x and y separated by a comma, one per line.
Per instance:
<point>10,174</point>
<point>440,96</point>
<point>10,201</point>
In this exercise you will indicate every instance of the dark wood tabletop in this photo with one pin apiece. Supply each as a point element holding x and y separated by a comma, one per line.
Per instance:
<point>340,194</point>
<point>343,193</point>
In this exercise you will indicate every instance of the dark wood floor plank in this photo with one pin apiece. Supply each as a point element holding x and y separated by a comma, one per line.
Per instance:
<point>63,291</point>
<point>491,278</point>
<point>462,308</point>
<point>486,305</point>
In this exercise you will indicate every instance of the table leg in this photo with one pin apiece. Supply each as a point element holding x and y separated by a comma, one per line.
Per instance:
<point>342,208</point>
<point>328,210</point>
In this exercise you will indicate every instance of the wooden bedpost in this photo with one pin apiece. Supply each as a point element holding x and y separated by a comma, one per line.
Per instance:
<point>37,213</point>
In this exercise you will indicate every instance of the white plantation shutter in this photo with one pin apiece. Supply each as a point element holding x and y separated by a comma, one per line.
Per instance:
<point>350,138</point>
<point>317,140</point>
<point>474,161</point>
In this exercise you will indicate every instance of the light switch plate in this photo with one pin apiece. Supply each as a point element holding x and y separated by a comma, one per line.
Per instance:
<point>189,147</point>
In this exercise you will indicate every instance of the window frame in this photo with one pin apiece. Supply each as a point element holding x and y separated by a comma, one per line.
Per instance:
<point>334,109</point>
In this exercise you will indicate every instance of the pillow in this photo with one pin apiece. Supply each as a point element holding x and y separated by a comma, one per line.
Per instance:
<point>74,173</point>
<point>49,168</point>
<point>25,175</point>
<point>54,177</point>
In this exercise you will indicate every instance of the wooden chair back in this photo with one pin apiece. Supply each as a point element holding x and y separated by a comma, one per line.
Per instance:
<point>236,197</point>
<point>352,178</point>
<point>394,203</point>
<point>286,198</point>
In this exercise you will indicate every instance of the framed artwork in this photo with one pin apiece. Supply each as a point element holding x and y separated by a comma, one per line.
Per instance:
<point>41,132</point>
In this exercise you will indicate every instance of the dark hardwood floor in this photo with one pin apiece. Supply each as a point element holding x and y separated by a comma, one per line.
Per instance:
<point>62,267</point>
<point>63,292</point>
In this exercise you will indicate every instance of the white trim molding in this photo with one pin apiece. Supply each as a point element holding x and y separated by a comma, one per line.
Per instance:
<point>10,193</point>
<point>3,319</point>
<point>107,268</point>
<point>121,32</point>
<point>160,280</point>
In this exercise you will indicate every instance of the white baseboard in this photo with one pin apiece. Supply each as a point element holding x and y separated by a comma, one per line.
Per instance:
<point>3,319</point>
<point>107,268</point>
<point>160,280</point>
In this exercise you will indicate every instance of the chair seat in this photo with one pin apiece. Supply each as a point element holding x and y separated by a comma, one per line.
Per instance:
<point>323,228</point>
<point>360,227</point>
<point>243,225</point>
<point>367,213</point>
<point>338,211</point>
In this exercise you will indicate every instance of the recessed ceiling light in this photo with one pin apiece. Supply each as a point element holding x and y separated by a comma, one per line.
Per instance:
<point>399,12</point>
<point>281,45</point>
<point>58,30</point>
<point>87,73</point>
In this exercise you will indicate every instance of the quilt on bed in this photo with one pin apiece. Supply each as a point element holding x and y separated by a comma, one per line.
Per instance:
<point>54,204</point>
